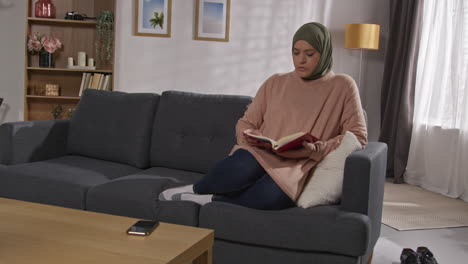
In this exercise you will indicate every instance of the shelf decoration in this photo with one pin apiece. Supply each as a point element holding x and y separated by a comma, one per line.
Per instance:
<point>105,35</point>
<point>57,111</point>
<point>45,46</point>
<point>81,62</point>
<point>44,9</point>
<point>52,89</point>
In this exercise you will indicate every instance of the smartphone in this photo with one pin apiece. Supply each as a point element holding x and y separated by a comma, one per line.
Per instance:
<point>142,228</point>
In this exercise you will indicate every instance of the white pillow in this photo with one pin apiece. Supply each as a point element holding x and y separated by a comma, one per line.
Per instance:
<point>326,180</point>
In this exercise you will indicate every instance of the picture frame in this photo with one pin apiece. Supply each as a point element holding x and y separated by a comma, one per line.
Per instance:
<point>212,18</point>
<point>153,18</point>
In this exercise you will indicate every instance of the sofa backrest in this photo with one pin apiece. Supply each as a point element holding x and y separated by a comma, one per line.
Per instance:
<point>113,126</point>
<point>193,131</point>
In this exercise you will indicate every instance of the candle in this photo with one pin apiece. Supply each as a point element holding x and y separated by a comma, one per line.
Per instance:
<point>70,61</point>
<point>82,58</point>
<point>90,62</point>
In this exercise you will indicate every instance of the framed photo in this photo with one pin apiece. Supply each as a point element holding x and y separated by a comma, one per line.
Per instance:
<point>212,20</point>
<point>153,18</point>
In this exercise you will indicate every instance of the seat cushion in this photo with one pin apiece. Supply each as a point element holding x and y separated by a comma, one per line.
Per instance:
<point>193,131</point>
<point>136,196</point>
<point>320,229</point>
<point>62,181</point>
<point>113,126</point>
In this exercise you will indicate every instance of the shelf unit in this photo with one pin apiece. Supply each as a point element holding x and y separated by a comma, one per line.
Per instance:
<point>76,35</point>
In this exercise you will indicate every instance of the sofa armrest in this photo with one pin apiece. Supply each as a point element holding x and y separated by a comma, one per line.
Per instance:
<point>28,141</point>
<point>363,184</point>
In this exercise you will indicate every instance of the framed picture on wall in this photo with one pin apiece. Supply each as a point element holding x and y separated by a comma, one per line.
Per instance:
<point>212,20</point>
<point>153,18</point>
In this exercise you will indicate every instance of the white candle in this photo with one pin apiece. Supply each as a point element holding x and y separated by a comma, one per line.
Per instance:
<point>90,62</point>
<point>82,58</point>
<point>70,61</point>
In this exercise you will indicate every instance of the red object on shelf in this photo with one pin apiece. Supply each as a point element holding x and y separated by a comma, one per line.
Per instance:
<point>44,9</point>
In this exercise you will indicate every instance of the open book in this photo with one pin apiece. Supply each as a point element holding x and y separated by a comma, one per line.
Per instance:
<point>285,143</point>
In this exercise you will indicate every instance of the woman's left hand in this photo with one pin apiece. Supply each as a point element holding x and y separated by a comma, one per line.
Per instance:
<point>307,151</point>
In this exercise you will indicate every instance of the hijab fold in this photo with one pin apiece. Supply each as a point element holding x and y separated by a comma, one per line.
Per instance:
<point>318,36</point>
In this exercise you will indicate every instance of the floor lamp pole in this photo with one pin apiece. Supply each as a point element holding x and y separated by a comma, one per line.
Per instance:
<point>359,82</point>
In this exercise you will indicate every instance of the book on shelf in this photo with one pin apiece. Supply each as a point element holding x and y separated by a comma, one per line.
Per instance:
<point>83,79</point>
<point>293,141</point>
<point>106,84</point>
<point>101,82</point>
<point>95,82</point>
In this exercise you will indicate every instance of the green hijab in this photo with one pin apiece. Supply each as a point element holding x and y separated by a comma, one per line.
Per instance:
<point>318,36</point>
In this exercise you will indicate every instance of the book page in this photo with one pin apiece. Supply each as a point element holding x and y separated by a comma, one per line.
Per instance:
<point>287,139</point>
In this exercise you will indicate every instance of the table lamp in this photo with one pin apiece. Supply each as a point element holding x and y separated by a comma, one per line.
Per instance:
<point>362,36</point>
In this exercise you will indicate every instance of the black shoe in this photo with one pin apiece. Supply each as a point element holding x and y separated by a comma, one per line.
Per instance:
<point>426,256</point>
<point>408,256</point>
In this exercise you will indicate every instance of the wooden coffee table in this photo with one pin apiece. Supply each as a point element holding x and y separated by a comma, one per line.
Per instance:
<point>37,233</point>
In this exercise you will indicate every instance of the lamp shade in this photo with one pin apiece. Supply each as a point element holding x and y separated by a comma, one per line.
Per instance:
<point>362,36</point>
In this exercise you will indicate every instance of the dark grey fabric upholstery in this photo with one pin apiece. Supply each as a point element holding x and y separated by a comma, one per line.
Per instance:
<point>190,133</point>
<point>63,181</point>
<point>113,126</point>
<point>136,196</point>
<point>28,141</point>
<point>363,184</point>
<point>194,131</point>
<point>322,229</point>
<point>178,212</point>
<point>225,252</point>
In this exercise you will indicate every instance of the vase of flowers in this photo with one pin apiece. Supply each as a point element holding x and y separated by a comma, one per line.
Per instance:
<point>46,46</point>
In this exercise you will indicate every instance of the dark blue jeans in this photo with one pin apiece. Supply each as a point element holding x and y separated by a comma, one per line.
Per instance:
<point>240,179</point>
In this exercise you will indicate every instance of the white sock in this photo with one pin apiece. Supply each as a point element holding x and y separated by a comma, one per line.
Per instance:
<point>169,193</point>
<point>201,199</point>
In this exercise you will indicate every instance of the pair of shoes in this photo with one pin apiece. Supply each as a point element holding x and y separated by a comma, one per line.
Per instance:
<point>426,256</point>
<point>408,256</point>
<point>422,256</point>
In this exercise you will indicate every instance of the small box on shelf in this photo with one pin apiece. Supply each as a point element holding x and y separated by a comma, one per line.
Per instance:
<point>52,89</point>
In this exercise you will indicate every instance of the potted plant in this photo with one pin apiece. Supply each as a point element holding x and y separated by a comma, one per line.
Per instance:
<point>45,45</point>
<point>105,35</point>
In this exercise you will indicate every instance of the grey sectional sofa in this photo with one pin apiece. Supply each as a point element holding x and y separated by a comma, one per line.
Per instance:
<point>119,151</point>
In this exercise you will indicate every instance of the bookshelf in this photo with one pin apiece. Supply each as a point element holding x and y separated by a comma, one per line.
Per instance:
<point>76,35</point>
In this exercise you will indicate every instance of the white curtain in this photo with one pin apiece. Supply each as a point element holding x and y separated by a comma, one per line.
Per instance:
<point>438,156</point>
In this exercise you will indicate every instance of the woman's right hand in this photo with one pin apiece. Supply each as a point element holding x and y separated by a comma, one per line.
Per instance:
<point>253,142</point>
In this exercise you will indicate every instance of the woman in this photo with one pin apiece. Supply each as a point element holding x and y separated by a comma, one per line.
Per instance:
<point>310,99</point>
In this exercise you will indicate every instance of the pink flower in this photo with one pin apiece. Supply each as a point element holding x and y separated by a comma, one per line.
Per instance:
<point>38,42</point>
<point>34,45</point>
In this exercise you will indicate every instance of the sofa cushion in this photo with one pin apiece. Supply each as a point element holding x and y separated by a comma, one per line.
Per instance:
<point>324,228</point>
<point>193,131</point>
<point>326,179</point>
<point>62,181</point>
<point>136,196</point>
<point>113,126</point>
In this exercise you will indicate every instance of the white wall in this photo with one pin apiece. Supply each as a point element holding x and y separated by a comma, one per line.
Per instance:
<point>12,30</point>
<point>259,46</point>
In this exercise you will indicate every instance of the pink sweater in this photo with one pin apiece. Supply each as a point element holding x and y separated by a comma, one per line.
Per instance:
<point>286,104</point>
